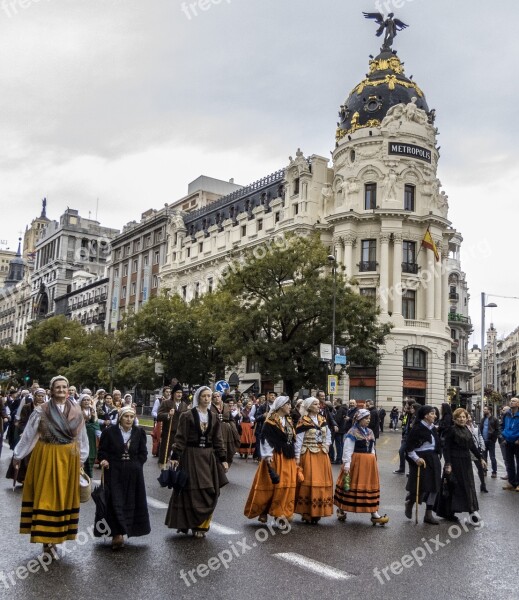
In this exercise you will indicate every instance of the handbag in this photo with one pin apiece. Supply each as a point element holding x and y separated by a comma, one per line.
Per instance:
<point>85,486</point>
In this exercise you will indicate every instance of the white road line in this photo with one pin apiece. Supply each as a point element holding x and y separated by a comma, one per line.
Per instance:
<point>156,503</point>
<point>223,529</point>
<point>313,566</point>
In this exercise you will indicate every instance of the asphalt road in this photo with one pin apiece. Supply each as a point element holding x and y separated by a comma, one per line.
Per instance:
<point>240,559</point>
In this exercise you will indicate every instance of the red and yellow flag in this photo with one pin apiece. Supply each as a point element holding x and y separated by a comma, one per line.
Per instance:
<point>428,242</point>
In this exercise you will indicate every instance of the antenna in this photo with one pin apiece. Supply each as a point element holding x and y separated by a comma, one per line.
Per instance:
<point>97,206</point>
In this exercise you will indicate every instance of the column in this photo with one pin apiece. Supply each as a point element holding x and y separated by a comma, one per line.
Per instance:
<point>339,251</point>
<point>438,288</point>
<point>349,241</point>
<point>429,286</point>
<point>384,272</point>
<point>397,274</point>
<point>445,290</point>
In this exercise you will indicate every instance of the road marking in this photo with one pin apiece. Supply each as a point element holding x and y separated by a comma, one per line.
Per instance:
<point>156,503</point>
<point>223,529</point>
<point>313,566</point>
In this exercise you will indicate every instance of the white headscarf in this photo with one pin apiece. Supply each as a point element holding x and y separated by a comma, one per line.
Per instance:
<point>303,410</point>
<point>126,409</point>
<point>278,403</point>
<point>362,413</point>
<point>197,394</point>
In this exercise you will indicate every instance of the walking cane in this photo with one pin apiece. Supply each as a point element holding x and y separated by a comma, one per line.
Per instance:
<point>165,464</point>
<point>417,493</point>
<point>250,445</point>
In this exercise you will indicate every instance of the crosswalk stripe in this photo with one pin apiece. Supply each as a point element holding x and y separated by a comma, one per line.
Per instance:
<point>313,566</point>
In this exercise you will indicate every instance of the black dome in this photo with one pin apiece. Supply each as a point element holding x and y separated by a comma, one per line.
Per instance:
<point>384,87</point>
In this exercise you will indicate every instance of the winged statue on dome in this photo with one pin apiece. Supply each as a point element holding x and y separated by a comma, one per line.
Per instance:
<point>389,24</point>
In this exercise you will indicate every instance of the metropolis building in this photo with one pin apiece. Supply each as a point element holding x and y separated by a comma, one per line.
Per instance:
<point>380,207</point>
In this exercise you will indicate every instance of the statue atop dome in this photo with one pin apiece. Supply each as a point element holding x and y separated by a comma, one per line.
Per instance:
<point>390,25</point>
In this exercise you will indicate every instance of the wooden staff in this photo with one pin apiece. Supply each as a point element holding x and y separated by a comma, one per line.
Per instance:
<point>166,459</point>
<point>417,493</point>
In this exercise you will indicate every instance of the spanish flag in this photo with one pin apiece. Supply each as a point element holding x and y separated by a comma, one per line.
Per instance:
<point>428,242</point>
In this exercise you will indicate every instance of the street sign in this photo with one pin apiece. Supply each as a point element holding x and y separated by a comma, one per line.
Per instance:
<point>221,386</point>
<point>159,368</point>
<point>333,382</point>
<point>325,352</point>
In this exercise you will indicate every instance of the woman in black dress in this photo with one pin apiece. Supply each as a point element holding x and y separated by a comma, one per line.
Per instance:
<point>122,454</point>
<point>459,443</point>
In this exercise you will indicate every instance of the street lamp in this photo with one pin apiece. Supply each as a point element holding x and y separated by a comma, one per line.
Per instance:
<point>333,263</point>
<point>483,306</point>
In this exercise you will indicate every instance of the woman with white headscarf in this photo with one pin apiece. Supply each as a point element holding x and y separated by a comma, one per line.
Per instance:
<point>268,497</point>
<point>358,486</point>
<point>199,450</point>
<point>314,497</point>
<point>56,435</point>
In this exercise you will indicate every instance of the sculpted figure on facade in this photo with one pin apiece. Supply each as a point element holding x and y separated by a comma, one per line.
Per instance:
<point>442,201</point>
<point>298,164</point>
<point>350,188</point>
<point>326,195</point>
<point>390,186</point>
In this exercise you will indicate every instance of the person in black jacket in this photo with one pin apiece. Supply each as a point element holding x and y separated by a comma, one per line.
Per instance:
<point>489,428</point>
<point>445,422</point>
<point>381,416</point>
<point>374,423</point>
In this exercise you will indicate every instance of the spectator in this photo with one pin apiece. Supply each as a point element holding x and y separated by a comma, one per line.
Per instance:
<point>381,416</point>
<point>511,437</point>
<point>374,423</point>
<point>489,428</point>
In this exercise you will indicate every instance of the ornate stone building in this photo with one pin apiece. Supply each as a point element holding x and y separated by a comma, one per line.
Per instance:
<point>380,207</point>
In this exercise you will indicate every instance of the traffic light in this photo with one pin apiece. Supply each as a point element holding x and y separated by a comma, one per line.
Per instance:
<point>27,378</point>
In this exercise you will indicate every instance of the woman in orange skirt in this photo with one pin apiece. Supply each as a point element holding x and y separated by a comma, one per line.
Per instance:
<point>56,435</point>
<point>362,493</point>
<point>314,497</point>
<point>278,464</point>
<point>247,438</point>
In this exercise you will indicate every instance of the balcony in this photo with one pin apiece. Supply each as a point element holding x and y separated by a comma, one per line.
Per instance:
<point>408,267</point>
<point>454,296</point>
<point>417,324</point>
<point>460,367</point>
<point>457,318</point>
<point>367,265</point>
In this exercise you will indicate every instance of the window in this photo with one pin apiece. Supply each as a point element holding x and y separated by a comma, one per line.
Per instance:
<point>156,257</point>
<point>197,289</point>
<point>157,235</point>
<point>116,272</point>
<point>147,241</point>
<point>243,230</point>
<point>368,257</point>
<point>296,209</point>
<point>409,257</point>
<point>409,304</point>
<point>134,266</point>
<point>127,250</point>
<point>136,245</point>
<point>414,358</point>
<point>188,252</point>
<point>409,193</point>
<point>184,292</point>
<point>155,282</point>
<point>370,196</point>
<point>370,293</point>
<point>125,270</point>
<point>123,292</point>
<point>277,217</point>
<point>118,253</point>
<point>252,365</point>
<point>145,260</point>
<point>260,224</point>
<point>210,284</point>
<point>296,186</point>
<point>201,247</point>
<point>133,289</point>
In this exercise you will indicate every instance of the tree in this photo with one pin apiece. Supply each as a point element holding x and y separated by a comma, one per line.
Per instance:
<point>277,308</point>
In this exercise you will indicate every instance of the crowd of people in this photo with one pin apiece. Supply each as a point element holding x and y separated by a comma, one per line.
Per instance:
<point>56,433</point>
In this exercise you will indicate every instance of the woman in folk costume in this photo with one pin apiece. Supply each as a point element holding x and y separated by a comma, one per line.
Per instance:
<point>423,448</point>
<point>314,496</point>
<point>230,435</point>
<point>199,450</point>
<point>122,454</point>
<point>56,435</point>
<point>88,407</point>
<point>362,493</point>
<point>247,438</point>
<point>278,461</point>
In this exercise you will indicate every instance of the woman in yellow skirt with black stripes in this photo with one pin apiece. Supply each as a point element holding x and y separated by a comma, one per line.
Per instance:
<point>56,435</point>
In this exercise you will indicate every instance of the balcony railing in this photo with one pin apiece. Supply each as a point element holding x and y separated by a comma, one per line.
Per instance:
<point>418,324</point>
<point>368,265</point>
<point>459,367</point>
<point>408,267</point>
<point>454,296</point>
<point>457,318</point>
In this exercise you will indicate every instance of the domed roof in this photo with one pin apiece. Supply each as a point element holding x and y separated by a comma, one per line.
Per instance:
<point>384,87</point>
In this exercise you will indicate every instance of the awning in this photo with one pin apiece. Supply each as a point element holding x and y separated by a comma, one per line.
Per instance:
<point>249,384</point>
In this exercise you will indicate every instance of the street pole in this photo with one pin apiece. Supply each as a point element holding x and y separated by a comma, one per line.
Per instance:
<point>482,403</point>
<point>333,261</point>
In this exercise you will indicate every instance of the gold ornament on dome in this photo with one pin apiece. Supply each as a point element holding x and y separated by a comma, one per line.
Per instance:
<point>391,81</point>
<point>354,125</point>
<point>386,64</point>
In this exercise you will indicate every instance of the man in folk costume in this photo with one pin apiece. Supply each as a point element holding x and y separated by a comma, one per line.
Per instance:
<point>423,452</point>
<point>56,435</point>
<point>278,463</point>
<point>169,414</point>
<point>314,496</point>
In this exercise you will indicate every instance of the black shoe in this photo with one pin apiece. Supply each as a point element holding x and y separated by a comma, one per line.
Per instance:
<point>483,488</point>
<point>399,471</point>
<point>409,509</point>
<point>452,519</point>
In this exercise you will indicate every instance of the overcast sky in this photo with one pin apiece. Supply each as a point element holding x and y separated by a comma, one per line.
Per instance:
<point>127,101</point>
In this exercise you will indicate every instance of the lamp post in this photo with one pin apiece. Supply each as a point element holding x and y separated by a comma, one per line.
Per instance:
<point>333,262</point>
<point>483,378</point>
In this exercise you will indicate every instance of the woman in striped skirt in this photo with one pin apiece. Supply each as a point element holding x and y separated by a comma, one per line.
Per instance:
<point>56,435</point>
<point>362,493</point>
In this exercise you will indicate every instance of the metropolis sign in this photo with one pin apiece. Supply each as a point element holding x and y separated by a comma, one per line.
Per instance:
<point>409,150</point>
